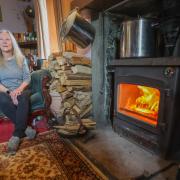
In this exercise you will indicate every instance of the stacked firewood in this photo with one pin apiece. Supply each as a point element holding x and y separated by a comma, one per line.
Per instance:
<point>72,79</point>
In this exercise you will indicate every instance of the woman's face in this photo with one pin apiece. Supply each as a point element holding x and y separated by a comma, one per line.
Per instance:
<point>5,42</point>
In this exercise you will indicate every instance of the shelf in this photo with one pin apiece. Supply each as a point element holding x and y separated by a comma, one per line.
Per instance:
<point>98,5</point>
<point>135,7</point>
<point>160,61</point>
<point>131,8</point>
<point>28,44</point>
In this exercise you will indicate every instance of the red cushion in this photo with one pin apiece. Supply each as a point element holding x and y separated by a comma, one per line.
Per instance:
<point>7,128</point>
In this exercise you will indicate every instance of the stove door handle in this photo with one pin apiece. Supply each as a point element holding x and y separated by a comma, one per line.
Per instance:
<point>168,92</point>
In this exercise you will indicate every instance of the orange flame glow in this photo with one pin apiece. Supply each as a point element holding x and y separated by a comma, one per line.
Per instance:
<point>148,102</point>
<point>141,102</point>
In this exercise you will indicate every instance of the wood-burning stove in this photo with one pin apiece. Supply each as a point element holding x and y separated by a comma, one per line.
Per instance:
<point>147,103</point>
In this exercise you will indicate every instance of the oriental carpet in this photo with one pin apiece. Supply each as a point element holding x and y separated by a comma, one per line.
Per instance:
<point>48,157</point>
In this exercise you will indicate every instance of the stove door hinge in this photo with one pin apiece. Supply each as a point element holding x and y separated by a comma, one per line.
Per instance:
<point>168,92</point>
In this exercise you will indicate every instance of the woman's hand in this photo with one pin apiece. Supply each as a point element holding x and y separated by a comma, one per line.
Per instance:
<point>14,94</point>
<point>14,99</point>
<point>17,92</point>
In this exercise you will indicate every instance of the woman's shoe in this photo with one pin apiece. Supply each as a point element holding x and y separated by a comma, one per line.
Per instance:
<point>13,145</point>
<point>30,133</point>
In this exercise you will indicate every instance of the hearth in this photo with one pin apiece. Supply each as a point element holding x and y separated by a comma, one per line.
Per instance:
<point>147,103</point>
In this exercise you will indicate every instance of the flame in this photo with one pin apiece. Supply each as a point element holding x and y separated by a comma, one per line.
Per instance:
<point>139,102</point>
<point>148,101</point>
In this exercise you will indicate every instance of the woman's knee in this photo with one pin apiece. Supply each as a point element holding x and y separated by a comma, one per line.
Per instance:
<point>25,96</point>
<point>4,98</point>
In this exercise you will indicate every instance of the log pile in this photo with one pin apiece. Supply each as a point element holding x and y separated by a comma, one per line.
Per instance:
<point>73,81</point>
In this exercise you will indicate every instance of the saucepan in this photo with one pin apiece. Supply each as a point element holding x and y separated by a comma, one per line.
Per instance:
<point>78,30</point>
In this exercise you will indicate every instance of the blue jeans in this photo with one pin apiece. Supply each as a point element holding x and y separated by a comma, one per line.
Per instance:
<point>17,114</point>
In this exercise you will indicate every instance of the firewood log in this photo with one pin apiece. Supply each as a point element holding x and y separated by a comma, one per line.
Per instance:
<point>79,95</point>
<point>52,64</point>
<point>83,103</point>
<point>76,82</point>
<point>79,88</point>
<point>54,84</point>
<point>61,111</point>
<point>56,76</point>
<point>86,111</point>
<point>69,55</point>
<point>65,95</point>
<point>70,128</point>
<point>76,77</point>
<point>88,121</point>
<point>61,61</point>
<point>62,72</point>
<point>65,67</point>
<point>76,109</point>
<point>80,61</point>
<point>54,55</point>
<point>53,73</point>
<point>60,88</point>
<point>69,102</point>
<point>57,67</point>
<point>81,69</point>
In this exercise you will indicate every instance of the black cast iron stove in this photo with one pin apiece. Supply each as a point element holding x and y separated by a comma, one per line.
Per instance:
<point>147,103</point>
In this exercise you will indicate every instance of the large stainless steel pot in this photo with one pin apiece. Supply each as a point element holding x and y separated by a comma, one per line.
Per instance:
<point>78,30</point>
<point>138,38</point>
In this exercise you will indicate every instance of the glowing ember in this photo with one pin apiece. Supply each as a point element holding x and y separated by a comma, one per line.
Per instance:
<point>147,102</point>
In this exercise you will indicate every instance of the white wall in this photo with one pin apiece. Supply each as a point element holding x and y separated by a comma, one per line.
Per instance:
<point>12,15</point>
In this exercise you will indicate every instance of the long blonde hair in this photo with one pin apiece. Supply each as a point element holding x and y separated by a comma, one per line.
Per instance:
<point>16,50</point>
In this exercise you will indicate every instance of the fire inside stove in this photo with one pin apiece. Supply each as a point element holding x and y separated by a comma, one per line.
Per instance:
<point>139,102</point>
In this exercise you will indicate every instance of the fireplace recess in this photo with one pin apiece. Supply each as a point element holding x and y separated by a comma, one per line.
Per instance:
<point>147,103</point>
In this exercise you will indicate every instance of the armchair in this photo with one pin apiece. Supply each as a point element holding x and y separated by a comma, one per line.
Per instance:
<point>40,99</point>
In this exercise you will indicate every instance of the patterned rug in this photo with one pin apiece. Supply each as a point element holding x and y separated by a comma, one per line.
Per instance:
<point>47,157</point>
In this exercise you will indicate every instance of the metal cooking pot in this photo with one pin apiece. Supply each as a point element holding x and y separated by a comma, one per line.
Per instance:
<point>78,30</point>
<point>138,38</point>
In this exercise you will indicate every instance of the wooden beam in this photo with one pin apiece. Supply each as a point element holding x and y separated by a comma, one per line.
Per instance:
<point>98,5</point>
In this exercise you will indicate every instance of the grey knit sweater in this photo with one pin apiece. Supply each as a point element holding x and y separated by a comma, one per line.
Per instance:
<point>12,76</point>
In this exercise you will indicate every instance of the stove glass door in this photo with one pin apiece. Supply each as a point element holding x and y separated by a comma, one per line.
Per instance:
<point>139,102</point>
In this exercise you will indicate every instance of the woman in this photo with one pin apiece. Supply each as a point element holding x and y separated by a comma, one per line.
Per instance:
<point>14,95</point>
